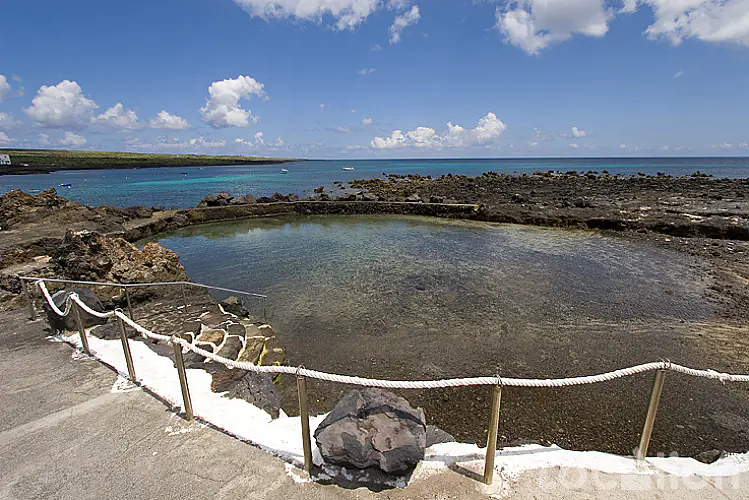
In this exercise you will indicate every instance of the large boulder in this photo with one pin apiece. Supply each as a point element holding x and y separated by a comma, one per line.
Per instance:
<point>90,256</point>
<point>216,200</point>
<point>373,428</point>
<point>60,323</point>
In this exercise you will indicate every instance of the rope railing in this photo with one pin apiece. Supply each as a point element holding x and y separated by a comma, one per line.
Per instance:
<point>74,303</point>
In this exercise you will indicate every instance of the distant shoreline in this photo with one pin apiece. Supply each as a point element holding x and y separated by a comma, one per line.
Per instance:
<point>36,161</point>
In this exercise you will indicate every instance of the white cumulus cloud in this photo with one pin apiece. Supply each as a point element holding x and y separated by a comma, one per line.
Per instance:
<point>118,117</point>
<point>43,140</point>
<point>62,105</point>
<point>168,121</point>
<point>222,108</point>
<point>578,132</point>
<point>574,146</point>
<point>366,121</point>
<point>366,71</point>
<point>488,130</point>
<point>533,25</point>
<point>4,88</point>
<point>402,22</point>
<point>678,74</point>
<point>347,14</point>
<point>207,143</point>
<point>6,120</point>
<point>5,140</point>
<point>72,139</point>
<point>707,20</point>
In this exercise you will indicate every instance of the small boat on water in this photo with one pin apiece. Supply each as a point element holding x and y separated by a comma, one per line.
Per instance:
<point>348,169</point>
<point>66,185</point>
<point>284,171</point>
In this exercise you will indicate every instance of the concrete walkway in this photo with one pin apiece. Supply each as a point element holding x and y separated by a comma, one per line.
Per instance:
<point>65,435</point>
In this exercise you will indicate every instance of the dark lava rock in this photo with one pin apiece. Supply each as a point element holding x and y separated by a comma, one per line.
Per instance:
<point>320,189</point>
<point>257,389</point>
<point>368,197</point>
<point>436,435</point>
<point>519,198</point>
<point>158,208</point>
<point>292,197</point>
<point>68,322</point>
<point>216,200</point>
<point>235,306</point>
<point>373,428</point>
<point>414,198</point>
<point>437,199</point>
<point>709,456</point>
<point>230,349</point>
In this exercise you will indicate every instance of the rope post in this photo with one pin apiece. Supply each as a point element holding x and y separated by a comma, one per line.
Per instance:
<point>647,430</point>
<point>183,380</point>
<point>265,314</point>
<point>301,385</point>
<point>491,444</point>
<point>129,305</point>
<point>81,329</point>
<point>29,301</point>
<point>126,349</point>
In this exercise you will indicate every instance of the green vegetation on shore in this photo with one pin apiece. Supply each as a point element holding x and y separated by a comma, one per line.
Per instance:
<point>35,161</point>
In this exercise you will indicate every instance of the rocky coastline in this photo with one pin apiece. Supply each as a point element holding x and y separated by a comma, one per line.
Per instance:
<point>48,236</point>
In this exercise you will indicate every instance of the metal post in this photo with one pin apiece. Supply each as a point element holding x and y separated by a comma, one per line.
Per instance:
<point>29,301</point>
<point>81,329</point>
<point>647,430</point>
<point>183,380</point>
<point>301,385</point>
<point>126,348</point>
<point>265,314</point>
<point>129,305</point>
<point>491,444</point>
<point>184,297</point>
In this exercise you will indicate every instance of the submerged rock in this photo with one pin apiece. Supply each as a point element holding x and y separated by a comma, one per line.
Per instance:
<point>373,428</point>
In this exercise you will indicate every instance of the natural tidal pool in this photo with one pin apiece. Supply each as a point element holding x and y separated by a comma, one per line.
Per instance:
<point>419,298</point>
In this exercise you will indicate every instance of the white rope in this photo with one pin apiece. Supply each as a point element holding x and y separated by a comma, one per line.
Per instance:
<point>398,384</point>
<point>51,302</point>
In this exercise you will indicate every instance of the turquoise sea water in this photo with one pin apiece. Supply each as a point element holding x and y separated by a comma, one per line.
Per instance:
<point>186,186</point>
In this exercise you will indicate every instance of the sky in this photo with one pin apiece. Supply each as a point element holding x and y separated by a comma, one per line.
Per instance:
<point>377,78</point>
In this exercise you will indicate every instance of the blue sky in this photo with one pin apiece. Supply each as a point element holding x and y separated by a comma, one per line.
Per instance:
<point>378,78</point>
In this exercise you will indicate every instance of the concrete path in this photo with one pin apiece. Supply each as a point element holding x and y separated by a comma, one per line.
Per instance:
<point>65,435</point>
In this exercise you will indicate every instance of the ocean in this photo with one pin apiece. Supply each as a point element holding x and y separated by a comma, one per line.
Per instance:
<point>186,186</point>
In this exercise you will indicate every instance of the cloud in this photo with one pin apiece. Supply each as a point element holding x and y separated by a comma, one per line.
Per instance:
<point>43,140</point>
<point>5,140</point>
<point>322,107</point>
<point>402,22</point>
<point>533,25</point>
<point>72,139</point>
<point>577,132</point>
<point>118,117</point>
<point>207,143</point>
<point>574,146</point>
<point>260,142</point>
<point>348,14</point>
<point>623,146</point>
<point>678,74</point>
<point>343,130</point>
<point>366,121</point>
<point>376,47</point>
<point>488,130</point>
<point>166,120</point>
<point>4,88</point>
<point>366,71</point>
<point>707,20</point>
<point>61,106</point>
<point>222,107</point>
<point>6,121</point>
